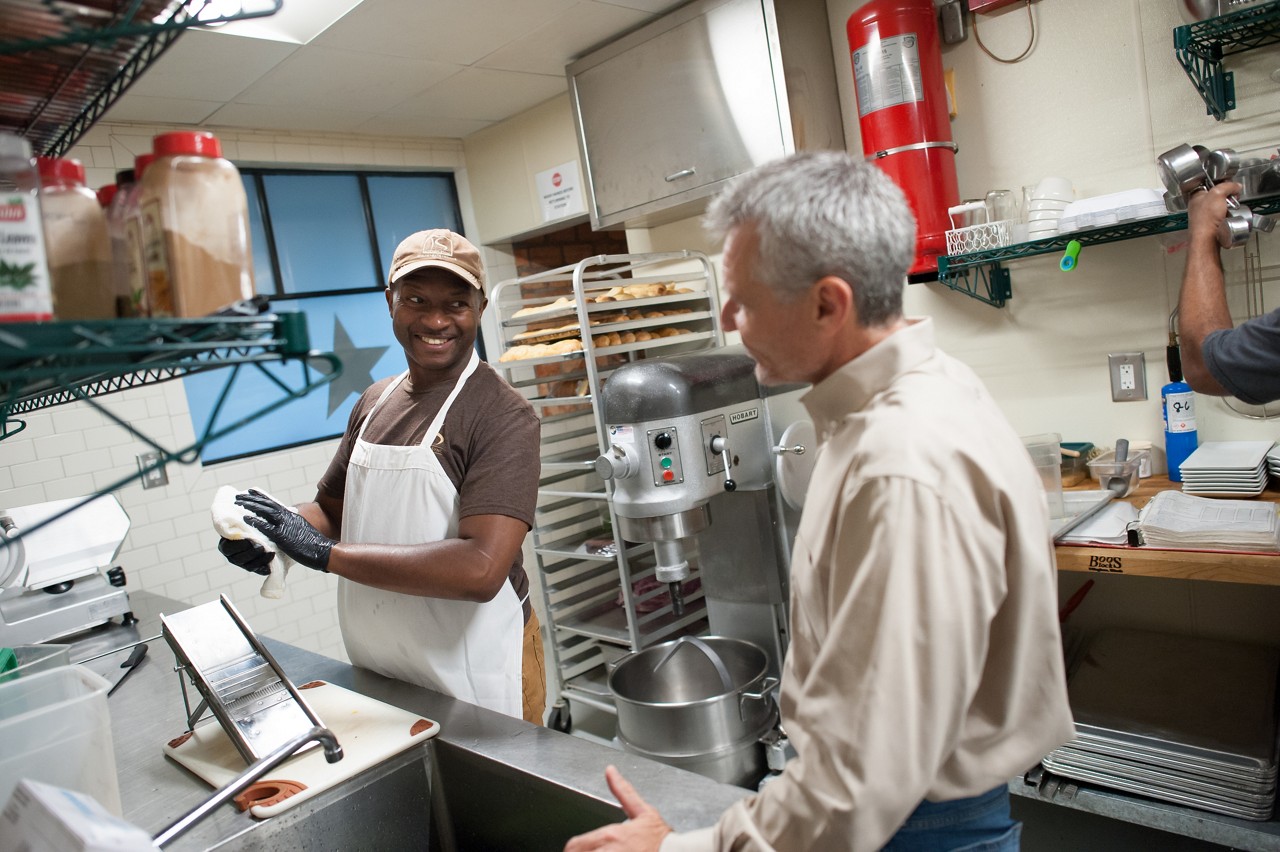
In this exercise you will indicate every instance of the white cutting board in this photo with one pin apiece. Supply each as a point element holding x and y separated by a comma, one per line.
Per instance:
<point>369,731</point>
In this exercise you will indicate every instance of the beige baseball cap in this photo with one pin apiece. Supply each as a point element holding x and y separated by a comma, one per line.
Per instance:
<point>438,247</point>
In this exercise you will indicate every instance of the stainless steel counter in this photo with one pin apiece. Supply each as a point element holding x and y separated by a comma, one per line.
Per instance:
<point>147,711</point>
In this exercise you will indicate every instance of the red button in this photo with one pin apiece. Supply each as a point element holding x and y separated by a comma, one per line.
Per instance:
<point>668,475</point>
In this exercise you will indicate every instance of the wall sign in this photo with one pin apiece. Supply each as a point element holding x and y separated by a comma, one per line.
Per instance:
<point>559,192</point>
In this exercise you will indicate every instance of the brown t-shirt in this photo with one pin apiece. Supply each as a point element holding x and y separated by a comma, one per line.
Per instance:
<point>488,446</point>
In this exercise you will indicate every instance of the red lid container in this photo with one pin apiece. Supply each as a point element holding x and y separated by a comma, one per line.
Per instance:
<point>106,193</point>
<point>140,164</point>
<point>60,169</point>
<point>191,143</point>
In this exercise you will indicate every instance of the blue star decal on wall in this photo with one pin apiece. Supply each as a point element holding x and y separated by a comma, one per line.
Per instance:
<point>357,366</point>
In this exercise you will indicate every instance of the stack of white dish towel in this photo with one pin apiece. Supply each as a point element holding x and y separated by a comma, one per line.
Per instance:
<point>1227,469</point>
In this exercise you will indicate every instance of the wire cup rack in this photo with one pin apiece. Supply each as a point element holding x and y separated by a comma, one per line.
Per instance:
<point>988,235</point>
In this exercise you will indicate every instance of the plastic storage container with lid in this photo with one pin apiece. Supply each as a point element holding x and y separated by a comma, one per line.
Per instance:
<point>76,242</point>
<point>1046,453</point>
<point>195,227</point>
<point>25,293</point>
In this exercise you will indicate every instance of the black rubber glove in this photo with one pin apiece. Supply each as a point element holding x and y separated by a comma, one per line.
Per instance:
<point>248,554</point>
<point>291,532</point>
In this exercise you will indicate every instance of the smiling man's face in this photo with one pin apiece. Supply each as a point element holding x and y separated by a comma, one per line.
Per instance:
<point>435,315</point>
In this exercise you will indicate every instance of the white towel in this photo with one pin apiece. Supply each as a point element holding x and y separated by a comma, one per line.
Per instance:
<point>228,522</point>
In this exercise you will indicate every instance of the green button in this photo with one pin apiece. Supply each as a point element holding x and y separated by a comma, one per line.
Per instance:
<point>666,463</point>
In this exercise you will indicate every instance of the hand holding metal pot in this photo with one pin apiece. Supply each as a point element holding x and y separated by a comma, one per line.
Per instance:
<point>1210,216</point>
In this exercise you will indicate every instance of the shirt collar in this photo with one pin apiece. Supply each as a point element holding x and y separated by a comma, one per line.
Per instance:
<point>852,386</point>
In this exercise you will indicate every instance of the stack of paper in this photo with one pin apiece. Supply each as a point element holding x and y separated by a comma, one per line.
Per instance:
<point>1175,519</point>
<point>1108,526</point>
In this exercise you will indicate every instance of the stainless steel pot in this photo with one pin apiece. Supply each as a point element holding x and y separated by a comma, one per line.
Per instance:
<point>701,703</point>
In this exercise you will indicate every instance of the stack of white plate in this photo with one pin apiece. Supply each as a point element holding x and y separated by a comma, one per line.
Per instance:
<point>1227,469</point>
<point>1044,209</point>
<point>1177,718</point>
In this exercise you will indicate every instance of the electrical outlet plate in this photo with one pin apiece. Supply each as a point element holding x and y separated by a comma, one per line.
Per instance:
<point>153,473</point>
<point>1128,376</point>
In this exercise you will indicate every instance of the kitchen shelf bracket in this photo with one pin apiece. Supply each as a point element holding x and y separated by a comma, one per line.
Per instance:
<point>1201,47</point>
<point>994,279</point>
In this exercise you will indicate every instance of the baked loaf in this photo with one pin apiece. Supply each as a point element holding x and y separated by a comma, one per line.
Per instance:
<point>639,291</point>
<point>523,351</point>
<point>558,304</point>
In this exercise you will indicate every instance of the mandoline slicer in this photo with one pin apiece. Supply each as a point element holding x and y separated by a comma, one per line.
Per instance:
<point>237,678</point>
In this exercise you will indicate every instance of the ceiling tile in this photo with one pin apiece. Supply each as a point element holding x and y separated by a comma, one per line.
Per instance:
<point>210,66</point>
<point>654,6</point>
<point>552,46</point>
<point>457,31</point>
<point>325,78</point>
<point>484,95</point>
<point>394,124</point>
<point>303,119</point>
<point>137,108</point>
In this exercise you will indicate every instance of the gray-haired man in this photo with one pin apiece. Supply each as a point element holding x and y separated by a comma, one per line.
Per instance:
<point>925,666</point>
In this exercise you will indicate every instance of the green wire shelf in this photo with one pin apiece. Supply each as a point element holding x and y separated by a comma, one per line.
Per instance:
<point>48,364</point>
<point>982,276</point>
<point>1200,48</point>
<point>72,61</point>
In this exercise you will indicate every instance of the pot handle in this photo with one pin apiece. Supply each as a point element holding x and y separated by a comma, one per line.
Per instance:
<point>765,688</point>
<point>707,650</point>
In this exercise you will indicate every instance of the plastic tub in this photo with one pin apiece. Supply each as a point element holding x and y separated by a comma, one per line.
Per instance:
<point>29,659</point>
<point>1046,453</point>
<point>1075,468</point>
<point>55,728</point>
<point>1106,469</point>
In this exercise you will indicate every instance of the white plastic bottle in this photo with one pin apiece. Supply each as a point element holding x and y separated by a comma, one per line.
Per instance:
<point>76,242</point>
<point>195,227</point>
<point>25,293</point>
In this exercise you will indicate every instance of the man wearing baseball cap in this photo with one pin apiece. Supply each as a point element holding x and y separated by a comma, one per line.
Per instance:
<point>424,507</point>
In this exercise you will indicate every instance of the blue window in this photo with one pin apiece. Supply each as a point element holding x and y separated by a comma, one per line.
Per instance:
<point>322,244</point>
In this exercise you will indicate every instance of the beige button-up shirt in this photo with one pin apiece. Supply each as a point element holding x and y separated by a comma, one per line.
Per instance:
<point>925,659</point>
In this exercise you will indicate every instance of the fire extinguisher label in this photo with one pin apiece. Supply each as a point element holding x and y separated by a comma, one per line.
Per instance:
<point>887,73</point>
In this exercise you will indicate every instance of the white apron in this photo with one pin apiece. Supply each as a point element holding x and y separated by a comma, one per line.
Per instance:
<point>472,651</point>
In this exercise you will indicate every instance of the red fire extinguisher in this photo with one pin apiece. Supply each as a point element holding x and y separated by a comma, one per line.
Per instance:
<point>903,115</point>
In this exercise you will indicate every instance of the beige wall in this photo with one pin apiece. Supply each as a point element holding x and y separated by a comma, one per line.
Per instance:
<point>504,161</point>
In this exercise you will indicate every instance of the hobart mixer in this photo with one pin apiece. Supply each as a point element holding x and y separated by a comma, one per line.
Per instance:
<point>711,468</point>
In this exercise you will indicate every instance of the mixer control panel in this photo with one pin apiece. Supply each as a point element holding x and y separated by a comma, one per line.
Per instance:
<point>664,456</point>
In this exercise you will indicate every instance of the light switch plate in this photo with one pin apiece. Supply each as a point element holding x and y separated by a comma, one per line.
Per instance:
<point>1128,376</point>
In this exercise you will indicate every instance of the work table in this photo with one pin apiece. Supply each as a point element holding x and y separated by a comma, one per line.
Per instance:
<point>1220,566</point>
<point>155,791</point>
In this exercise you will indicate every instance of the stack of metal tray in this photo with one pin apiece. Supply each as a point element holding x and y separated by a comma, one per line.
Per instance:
<point>1177,718</point>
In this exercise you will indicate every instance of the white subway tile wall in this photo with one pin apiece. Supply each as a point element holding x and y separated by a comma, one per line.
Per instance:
<point>74,450</point>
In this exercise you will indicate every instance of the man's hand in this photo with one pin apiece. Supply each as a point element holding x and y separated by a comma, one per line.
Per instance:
<point>291,532</point>
<point>642,832</point>
<point>246,553</point>
<point>1206,209</point>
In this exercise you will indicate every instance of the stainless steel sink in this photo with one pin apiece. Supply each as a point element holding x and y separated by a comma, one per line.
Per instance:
<point>440,797</point>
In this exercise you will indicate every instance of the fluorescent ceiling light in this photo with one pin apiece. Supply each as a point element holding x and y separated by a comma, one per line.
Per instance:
<point>297,22</point>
